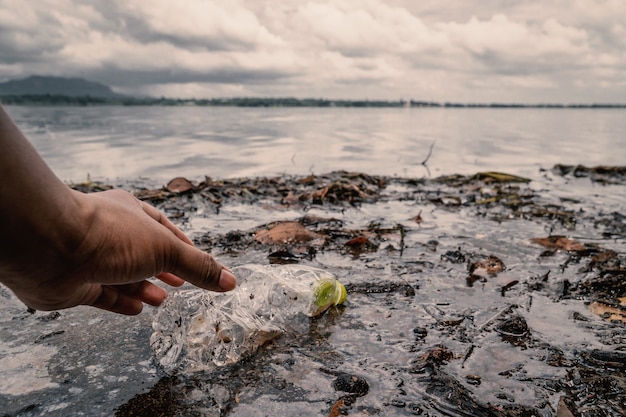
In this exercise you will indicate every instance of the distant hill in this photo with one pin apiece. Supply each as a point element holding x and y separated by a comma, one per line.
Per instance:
<point>42,85</point>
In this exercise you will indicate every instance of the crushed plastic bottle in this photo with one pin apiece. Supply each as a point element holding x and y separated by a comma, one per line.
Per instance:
<point>197,330</point>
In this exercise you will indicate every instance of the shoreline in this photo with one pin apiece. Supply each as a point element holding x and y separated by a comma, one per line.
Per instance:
<point>86,100</point>
<point>477,292</point>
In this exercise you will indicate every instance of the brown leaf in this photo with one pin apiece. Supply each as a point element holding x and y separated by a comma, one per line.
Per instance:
<point>152,195</point>
<point>307,180</point>
<point>562,409</point>
<point>286,232</point>
<point>338,409</point>
<point>359,241</point>
<point>492,176</point>
<point>320,194</point>
<point>492,265</point>
<point>609,313</point>
<point>437,355</point>
<point>559,242</point>
<point>179,185</point>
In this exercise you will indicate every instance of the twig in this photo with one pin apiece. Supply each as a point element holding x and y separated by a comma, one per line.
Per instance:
<point>430,152</point>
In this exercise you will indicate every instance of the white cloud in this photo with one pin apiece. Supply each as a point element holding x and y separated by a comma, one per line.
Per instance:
<point>514,41</point>
<point>227,23</point>
<point>374,27</point>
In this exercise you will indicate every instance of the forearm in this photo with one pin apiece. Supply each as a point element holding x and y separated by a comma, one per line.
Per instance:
<point>36,207</point>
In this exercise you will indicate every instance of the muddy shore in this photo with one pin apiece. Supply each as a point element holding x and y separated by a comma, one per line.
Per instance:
<point>481,295</point>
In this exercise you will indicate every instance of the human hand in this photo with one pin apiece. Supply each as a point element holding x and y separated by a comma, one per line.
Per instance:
<point>61,248</point>
<point>115,243</point>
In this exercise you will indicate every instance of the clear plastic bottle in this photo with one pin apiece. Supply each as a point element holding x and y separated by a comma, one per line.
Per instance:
<point>198,330</point>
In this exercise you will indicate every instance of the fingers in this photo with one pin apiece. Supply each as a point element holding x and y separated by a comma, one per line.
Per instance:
<point>161,218</point>
<point>171,279</point>
<point>112,300</point>
<point>191,264</point>
<point>128,299</point>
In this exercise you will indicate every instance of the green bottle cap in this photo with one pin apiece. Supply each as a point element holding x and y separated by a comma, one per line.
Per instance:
<point>340,294</point>
<point>329,291</point>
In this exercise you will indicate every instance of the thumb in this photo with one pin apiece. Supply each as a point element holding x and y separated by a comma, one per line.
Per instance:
<point>200,269</point>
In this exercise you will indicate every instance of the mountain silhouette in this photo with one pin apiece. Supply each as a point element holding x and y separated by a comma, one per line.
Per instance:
<point>42,85</point>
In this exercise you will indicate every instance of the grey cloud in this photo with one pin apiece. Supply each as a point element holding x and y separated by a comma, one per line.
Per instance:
<point>19,44</point>
<point>120,21</point>
<point>385,47</point>
<point>227,75</point>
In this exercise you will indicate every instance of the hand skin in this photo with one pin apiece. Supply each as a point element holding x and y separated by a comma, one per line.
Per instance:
<point>60,248</point>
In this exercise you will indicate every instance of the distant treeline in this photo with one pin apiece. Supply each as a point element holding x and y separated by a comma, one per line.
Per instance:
<point>55,100</point>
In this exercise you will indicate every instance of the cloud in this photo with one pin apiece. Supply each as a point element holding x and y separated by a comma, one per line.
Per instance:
<point>370,28</point>
<point>476,51</point>
<point>504,46</point>
<point>18,42</point>
<point>501,36</point>
<point>226,25</point>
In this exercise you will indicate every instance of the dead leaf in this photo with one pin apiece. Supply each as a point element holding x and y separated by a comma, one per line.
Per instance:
<point>438,355</point>
<point>286,232</point>
<point>609,313</point>
<point>307,180</point>
<point>562,409</point>
<point>338,192</point>
<point>152,195</point>
<point>179,185</point>
<point>492,265</point>
<point>338,409</point>
<point>559,242</point>
<point>359,241</point>
<point>361,244</point>
<point>499,177</point>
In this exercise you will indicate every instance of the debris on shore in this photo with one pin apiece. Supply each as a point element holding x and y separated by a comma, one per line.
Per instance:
<point>482,295</point>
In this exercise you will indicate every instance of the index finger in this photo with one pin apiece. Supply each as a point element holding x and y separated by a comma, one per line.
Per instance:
<point>170,279</point>
<point>160,217</point>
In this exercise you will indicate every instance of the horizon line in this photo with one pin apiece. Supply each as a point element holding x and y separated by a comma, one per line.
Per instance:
<point>276,101</point>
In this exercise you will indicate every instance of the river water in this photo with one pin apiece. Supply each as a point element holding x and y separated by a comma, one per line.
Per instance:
<point>422,328</point>
<point>160,143</point>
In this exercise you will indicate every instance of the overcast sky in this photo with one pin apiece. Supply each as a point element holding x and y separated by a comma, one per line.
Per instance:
<point>460,50</point>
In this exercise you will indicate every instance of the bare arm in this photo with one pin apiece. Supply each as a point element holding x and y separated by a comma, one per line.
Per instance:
<point>60,248</point>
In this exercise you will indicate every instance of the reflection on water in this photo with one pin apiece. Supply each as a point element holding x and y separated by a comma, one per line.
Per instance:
<point>162,142</point>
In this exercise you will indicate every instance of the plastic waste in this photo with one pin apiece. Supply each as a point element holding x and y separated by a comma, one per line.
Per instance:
<point>198,330</point>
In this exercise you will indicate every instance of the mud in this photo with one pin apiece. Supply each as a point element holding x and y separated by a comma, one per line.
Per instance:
<point>481,295</point>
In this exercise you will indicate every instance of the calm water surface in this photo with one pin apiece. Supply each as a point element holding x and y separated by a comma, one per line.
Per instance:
<point>159,143</point>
